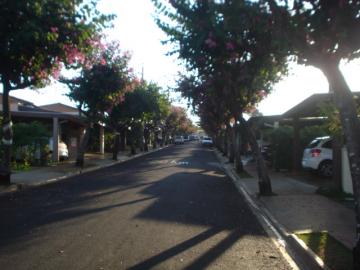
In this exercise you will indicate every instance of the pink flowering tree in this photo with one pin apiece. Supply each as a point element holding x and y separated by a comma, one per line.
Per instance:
<point>100,87</point>
<point>230,47</point>
<point>38,38</point>
<point>322,34</point>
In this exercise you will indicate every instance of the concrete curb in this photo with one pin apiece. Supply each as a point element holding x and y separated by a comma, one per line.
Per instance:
<point>275,230</point>
<point>16,187</point>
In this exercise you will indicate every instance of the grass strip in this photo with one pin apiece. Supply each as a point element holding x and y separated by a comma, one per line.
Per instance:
<point>334,254</point>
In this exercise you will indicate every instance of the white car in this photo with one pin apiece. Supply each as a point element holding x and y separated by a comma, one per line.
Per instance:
<point>62,148</point>
<point>207,141</point>
<point>318,155</point>
<point>179,140</point>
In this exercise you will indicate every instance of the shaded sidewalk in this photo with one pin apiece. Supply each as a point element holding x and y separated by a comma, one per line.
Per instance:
<point>298,208</point>
<point>43,175</point>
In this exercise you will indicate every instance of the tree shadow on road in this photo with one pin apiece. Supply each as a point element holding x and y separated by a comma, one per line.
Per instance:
<point>192,191</point>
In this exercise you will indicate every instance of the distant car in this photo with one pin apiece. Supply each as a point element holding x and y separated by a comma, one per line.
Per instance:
<point>194,137</point>
<point>318,155</point>
<point>207,141</point>
<point>186,138</point>
<point>179,140</point>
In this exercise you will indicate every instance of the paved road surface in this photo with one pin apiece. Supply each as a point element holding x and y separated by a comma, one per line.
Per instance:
<point>172,209</point>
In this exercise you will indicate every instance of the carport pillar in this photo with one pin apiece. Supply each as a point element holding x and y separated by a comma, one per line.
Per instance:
<point>296,158</point>
<point>102,140</point>
<point>55,146</point>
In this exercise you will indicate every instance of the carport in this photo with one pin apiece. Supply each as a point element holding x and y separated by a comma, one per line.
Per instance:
<point>65,127</point>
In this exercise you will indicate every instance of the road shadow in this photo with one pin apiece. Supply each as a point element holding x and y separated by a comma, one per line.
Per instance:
<point>202,198</point>
<point>194,192</point>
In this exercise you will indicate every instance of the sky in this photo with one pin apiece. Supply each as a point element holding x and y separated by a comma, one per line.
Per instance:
<point>137,32</point>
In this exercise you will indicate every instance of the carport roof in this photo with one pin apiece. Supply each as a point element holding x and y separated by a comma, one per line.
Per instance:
<point>310,107</point>
<point>50,115</point>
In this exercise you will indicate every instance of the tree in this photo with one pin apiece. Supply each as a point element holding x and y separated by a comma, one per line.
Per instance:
<point>177,123</point>
<point>322,33</point>
<point>98,89</point>
<point>142,110</point>
<point>37,38</point>
<point>230,47</point>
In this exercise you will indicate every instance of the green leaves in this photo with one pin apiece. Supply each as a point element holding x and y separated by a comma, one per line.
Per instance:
<point>103,86</point>
<point>35,36</point>
<point>145,103</point>
<point>230,47</point>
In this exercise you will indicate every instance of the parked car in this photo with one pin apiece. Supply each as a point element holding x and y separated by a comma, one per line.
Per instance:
<point>186,138</point>
<point>194,137</point>
<point>207,141</point>
<point>62,148</point>
<point>318,156</point>
<point>179,140</point>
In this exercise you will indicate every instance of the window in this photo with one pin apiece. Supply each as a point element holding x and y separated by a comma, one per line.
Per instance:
<point>328,144</point>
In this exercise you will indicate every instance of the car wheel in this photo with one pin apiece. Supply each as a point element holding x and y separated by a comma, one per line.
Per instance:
<point>326,168</point>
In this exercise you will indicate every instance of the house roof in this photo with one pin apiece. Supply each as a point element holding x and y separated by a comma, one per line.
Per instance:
<point>266,120</point>
<point>310,106</point>
<point>27,109</point>
<point>59,107</point>
<point>16,100</point>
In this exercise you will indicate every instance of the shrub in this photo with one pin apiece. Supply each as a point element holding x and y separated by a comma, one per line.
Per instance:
<point>30,143</point>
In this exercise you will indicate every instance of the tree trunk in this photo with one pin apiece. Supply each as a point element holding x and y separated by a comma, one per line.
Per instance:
<point>146,139</point>
<point>132,143</point>
<point>225,137</point>
<point>231,147</point>
<point>296,154</point>
<point>82,148</point>
<point>162,138</point>
<point>351,128</point>
<point>7,140</point>
<point>156,134</point>
<point>217,140</point>
<point>116,146</point>
<point>122,139</point>
<point>337,166</point>
<point>238,163</point>
<point>264,179</point>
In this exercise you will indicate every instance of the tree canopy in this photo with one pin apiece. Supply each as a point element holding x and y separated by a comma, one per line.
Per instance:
<point>38,37</point>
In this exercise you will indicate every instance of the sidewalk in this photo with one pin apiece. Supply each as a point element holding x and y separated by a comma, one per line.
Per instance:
<point>42,175</point>
<point>295,208</point>
<point>299,209</point>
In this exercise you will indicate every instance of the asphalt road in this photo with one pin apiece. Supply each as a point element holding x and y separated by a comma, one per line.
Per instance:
<point>172,209</point>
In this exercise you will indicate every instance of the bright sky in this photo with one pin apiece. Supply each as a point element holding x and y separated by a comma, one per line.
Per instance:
<point>137,32</point>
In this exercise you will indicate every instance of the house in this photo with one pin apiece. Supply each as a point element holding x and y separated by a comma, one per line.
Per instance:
<point>64,121</point>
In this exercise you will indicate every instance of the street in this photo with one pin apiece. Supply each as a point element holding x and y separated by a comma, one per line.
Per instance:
<point>171,209</point>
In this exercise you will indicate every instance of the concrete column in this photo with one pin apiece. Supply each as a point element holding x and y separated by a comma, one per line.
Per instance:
<point>55,146</point>
<point>102,140</point>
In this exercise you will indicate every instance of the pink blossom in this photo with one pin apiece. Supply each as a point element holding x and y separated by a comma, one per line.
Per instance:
<point>210,43</point>
<point>102,62</point>
<point>56,70</point>
<point>54,29</point>
<point>230,46</point>
<point>73,55</point>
